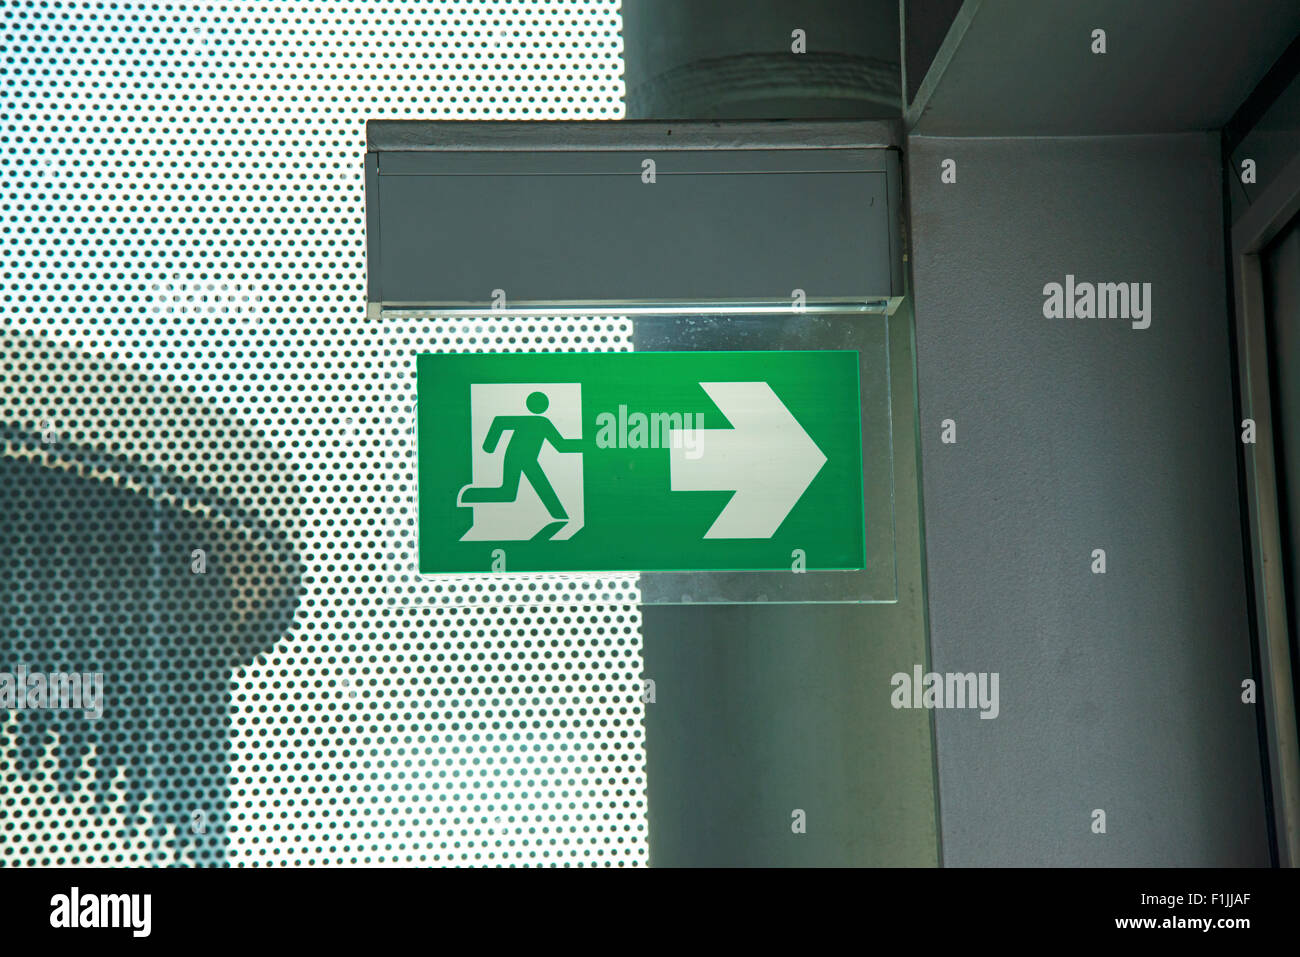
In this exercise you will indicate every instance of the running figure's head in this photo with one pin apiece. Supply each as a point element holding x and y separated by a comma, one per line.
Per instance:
<point>538,403</point>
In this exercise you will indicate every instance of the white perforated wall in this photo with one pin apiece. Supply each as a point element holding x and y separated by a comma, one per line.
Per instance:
<point>188,367</point>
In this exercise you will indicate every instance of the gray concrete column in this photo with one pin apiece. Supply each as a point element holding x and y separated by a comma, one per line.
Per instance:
<point>733,59</point>
<point>762,710</point>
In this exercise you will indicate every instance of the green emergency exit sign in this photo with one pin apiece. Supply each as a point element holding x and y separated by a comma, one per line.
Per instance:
<point>640,461</point>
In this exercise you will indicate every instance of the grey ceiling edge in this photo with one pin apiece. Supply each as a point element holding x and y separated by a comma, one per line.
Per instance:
<point>530,135</point>
<point>913,111</point>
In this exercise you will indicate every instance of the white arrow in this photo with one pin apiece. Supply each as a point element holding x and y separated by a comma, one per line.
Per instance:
<point>766,458</point>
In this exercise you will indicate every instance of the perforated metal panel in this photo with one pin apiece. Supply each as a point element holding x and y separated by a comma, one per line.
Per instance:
<point>205,473</point>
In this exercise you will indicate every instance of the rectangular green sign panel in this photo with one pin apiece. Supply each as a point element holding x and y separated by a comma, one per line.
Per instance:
<point>639,461</point>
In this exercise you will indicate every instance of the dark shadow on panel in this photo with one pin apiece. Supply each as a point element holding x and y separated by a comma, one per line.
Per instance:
<point>100,571</point>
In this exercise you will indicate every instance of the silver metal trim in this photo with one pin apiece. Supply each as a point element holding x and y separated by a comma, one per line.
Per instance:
<point>645,307</point>
<point>530,135</point>
<point>1252,232</point>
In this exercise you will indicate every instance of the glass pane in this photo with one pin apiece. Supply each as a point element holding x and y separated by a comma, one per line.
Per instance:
<point>835,542</point>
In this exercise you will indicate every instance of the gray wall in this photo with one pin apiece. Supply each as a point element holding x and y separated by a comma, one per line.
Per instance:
<point>1118,691</point>
<point>1026,67</point>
